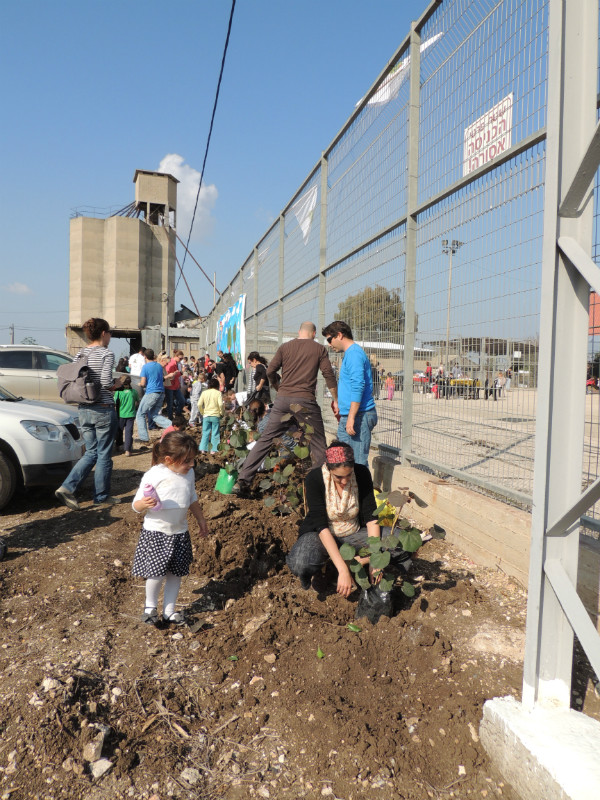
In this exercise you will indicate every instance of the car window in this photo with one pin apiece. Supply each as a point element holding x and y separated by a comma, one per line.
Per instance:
<point>52,361</point>
<point>16,359</point>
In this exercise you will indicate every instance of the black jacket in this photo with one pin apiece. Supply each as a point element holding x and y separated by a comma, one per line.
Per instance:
<point>314,489</point>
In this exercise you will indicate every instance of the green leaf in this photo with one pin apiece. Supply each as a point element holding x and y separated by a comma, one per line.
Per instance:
<point>354,628</point>
<point>391,542</point>
<point>411,540</point>
<point>374,541</point>
<point>269,501</point>
<point>355,566</point>
<point>320,653</point>
<point>408,589</point>
<point>288,470</point>
<point>241,453</point>
<point>269,463</point>
<point>279,478</point>
<point>283,509</point>
<point>403,524</point>
<point>265,484</point>
<point>386,584</point>
<point>293,501</point>
<point>301,452</point>
<point>418,500</point>
<point>380,560</point>
<point>347,552</point>
<point>362,579</point>
<point>233,658</point>
<point>398,498</point>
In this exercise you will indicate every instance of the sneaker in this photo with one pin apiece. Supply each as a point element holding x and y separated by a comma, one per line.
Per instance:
<point>240,488</point>
<point>67,498</point>
<point>108,502</point>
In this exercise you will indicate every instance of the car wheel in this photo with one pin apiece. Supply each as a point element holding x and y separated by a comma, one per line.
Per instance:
<point>8,480</point>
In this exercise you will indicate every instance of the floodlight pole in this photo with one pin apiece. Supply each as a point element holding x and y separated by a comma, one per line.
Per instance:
<point>449,248</point>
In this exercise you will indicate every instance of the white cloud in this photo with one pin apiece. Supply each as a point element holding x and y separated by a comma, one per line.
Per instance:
<point>187,189</point>
<point>18,288</point>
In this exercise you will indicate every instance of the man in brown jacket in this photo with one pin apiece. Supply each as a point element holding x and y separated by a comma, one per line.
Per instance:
<point>299,361</point>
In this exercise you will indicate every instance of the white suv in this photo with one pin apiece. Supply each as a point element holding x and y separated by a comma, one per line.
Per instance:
<point>39,443</point>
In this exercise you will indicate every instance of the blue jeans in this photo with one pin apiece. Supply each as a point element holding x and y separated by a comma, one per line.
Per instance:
<point>174,398</point>
<point>98,427</point>
<point>360,443</point>
<point>210,430</point>
<point>308,554</point>
<point>150,404</point>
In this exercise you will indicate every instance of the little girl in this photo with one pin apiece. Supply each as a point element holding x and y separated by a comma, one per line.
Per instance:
<point>164,550</point>
<point>390,385</point>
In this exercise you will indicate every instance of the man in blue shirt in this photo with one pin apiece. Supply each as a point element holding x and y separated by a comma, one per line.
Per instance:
<point>358,415</point>
<point>151,379</point>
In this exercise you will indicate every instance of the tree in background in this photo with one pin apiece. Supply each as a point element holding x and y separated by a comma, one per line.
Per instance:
<point>375,314</point>
<point>29,340</point>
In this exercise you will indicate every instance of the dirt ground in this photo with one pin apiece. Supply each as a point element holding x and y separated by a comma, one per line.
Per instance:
<point>96,705</point>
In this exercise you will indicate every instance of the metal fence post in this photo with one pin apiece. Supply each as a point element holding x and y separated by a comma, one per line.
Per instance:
<point>571,114</point>
<point>255,264</point>
<point>410,273</point>
<point>322,261</point>
<point>281,277</point>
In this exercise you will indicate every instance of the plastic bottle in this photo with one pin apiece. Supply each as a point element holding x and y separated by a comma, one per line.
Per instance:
<point>150,491</point>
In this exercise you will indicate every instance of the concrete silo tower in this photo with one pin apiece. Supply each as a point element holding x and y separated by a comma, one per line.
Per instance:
<point>122,267</point>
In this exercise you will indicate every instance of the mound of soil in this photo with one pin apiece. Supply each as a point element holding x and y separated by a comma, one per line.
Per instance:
<point>267,692</point>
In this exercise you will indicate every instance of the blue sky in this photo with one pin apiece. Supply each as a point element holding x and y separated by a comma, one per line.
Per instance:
<point>95,90</point>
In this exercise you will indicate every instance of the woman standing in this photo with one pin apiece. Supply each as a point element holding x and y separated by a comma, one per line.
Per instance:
<point>98,421</point>
<point>341,508</point>
<point>259,375</point>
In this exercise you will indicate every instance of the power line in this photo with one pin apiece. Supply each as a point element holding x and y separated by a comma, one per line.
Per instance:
<point>212,119</point>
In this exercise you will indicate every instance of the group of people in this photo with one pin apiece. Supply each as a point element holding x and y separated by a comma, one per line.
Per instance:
<point>339,488</point>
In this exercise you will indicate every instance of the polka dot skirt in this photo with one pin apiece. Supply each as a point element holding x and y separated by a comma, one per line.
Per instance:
<point>158,553</point>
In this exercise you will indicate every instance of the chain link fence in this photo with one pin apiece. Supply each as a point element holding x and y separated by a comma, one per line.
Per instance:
<point>421,227</point>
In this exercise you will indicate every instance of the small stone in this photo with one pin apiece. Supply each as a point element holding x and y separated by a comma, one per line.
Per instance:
<point>93,750</point>
<point>274,694</point>
<point>262,791</point>
<point>256,679</point>
<point>229,603</point>
<point>117,563</point>
<point>67,764</point>
<point>311,718</point>
<point>100,767</point>
<point>466,612</point>
<point>270,658</point>
<point>461,770</point>
<point>177,636</point>
<point>116,691</point>
<point>36,700</point>
<point>48,684</point>
<point>327,791</point>
<point>190,775</point>
<point>76,623</point>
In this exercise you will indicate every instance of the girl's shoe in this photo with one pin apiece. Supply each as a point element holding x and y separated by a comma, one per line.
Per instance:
<point>176,618</point>
<point>150,617</point>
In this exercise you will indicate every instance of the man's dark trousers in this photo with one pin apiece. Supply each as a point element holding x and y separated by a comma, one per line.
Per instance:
<point>276,427</point>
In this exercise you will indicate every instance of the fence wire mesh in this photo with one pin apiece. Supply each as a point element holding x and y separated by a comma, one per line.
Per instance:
<point>341,252</point>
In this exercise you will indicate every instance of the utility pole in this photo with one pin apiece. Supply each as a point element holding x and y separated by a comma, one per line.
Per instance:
<point>449,248</point>
<point>11,328</point>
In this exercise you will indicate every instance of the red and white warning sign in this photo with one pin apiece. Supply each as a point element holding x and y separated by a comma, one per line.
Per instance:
<point>489,136</point>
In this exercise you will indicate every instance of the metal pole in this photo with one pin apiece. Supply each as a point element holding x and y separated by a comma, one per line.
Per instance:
<point>571,115</point>
<point>448,311</point>
<point>256,347</point>
<point>281,278</point>
<point>410,273</point>
<point>322,261</point>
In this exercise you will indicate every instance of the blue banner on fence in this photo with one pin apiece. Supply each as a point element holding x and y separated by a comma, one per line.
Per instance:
<point>231,332</point>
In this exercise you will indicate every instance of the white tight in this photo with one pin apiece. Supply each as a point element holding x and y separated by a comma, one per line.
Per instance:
<point>172,584</point>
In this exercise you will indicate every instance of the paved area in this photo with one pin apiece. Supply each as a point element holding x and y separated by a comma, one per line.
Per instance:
<point>489,440</point>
